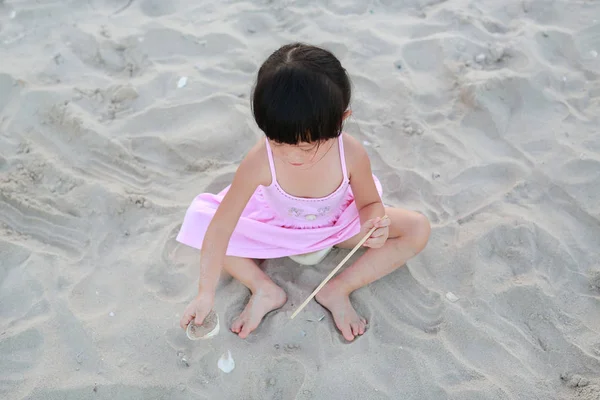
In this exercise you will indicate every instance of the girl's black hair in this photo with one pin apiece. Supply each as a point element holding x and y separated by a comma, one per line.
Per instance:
<point>301,95</point>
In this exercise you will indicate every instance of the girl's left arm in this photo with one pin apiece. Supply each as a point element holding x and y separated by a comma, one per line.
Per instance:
<point>365,192</point>
<point>369,204</point>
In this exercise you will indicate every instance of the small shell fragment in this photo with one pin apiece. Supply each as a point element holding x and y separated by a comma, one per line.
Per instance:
<point>451,297</point>
<point>182,82</point>
<point>480,58</point>
<point>226,363</point>
<point>319,319</point>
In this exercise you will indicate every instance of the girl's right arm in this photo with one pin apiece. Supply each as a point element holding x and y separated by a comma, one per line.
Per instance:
<point>216,240</point>
<point>252,172</point>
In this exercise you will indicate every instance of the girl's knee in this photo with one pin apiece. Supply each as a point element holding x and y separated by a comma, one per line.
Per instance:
<point>421,229</point>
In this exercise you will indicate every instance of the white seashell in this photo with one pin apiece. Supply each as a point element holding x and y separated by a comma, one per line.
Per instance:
<point>594,53</point>
<point>111,314</point>
<point>209,328</point>
<point>182,82</point>
<point>226,363</point>
<point>451,297</point>
<point>13,14</point>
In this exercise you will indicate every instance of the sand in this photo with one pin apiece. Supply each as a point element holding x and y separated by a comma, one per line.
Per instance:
<point>482,114</point>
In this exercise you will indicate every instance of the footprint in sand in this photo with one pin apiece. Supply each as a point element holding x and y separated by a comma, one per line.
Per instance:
<point>165,279</point>
<point>160,279</point>
<point>21,294</point>
<point>281,380</point>
<point>111,391</point>
<point>582,388</point>
<point>97,293</point>
<point>157,8</point>
<point>7,89</point>
<point>595,281</point>
<point>19,353</point>
<point>587,43</point>
<point>206,376</point>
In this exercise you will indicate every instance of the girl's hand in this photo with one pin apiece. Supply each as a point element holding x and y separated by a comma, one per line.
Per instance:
<point>197,310</point>
<point>380,235</point>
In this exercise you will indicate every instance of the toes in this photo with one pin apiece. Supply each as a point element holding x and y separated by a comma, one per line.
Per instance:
<point>246,329</point>
<point>361,328</point>
<point>346,332</point>
<point>358,328</point>
<point>354,327</point>
<point>236,327</point>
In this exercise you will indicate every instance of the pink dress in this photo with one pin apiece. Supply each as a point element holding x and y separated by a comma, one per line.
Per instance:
<point>276,224</point>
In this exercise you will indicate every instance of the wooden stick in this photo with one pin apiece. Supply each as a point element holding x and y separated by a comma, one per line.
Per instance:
<point>332,273</point>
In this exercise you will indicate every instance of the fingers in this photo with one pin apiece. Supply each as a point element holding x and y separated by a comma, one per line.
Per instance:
<point>380,232</point>
<point>382,222</point>
<point>378,237</point>
<point>377,223</point>
<point>199,319</point>
<point>191,314</point>
<point>368,225</point>
<point>374,243</point>
<point>185,320</point>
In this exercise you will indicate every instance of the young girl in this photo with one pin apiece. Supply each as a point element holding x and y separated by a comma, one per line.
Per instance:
<point>305,187</point>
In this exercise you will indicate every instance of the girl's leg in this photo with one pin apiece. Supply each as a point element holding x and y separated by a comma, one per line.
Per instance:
<point>409,233</point>
<point>266,295</point>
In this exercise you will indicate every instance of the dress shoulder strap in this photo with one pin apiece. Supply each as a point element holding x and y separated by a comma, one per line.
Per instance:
<point>271,163</point>
<point>342,155</point>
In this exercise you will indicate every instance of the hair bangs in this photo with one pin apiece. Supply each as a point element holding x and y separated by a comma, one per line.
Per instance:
<point>294,105</point>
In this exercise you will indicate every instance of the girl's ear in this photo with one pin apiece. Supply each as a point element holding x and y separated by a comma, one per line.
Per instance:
<point>347,113</point>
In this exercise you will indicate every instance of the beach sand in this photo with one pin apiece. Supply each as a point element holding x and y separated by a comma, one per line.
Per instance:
<point>481,114</point>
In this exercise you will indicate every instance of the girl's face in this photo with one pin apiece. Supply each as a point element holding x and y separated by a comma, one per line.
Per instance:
<point>304,154</point>
<point>301,154</point>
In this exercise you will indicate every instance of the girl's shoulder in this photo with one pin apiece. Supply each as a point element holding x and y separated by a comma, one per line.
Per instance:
<point>354,152</point>
<point>256,164</point>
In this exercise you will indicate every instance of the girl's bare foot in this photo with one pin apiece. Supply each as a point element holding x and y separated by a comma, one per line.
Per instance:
<point>265,299</point>
<point>345,316</point>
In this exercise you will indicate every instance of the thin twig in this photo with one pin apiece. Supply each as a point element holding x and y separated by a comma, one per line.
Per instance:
<point>332,273</point>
